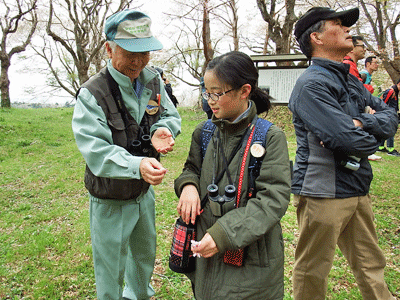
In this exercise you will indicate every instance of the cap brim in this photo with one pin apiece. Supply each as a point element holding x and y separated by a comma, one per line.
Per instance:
<point>139,44</point>
<point>348,17</point>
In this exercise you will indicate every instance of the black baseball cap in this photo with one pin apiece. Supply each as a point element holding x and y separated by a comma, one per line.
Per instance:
<point>314,15</point>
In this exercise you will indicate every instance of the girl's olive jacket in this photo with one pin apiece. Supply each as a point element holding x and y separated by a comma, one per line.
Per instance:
<point>254,226</point>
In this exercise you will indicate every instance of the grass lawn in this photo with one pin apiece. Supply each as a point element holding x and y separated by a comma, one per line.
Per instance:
<point>45,250</point>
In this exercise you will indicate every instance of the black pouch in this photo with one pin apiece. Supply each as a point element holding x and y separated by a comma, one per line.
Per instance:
<point>181,259</point>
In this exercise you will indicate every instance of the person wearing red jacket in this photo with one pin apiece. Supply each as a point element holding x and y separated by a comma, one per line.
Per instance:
<point>354,56</point>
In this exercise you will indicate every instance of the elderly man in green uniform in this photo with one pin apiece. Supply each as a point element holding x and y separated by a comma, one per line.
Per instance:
<point>122,121</point>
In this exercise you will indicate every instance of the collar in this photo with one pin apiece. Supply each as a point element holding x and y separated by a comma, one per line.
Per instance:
<point>244,114</point>
<point>240,124</point>
<point>338,68</point>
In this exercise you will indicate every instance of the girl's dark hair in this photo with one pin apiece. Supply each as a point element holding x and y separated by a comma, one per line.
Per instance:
<point>237,69</point>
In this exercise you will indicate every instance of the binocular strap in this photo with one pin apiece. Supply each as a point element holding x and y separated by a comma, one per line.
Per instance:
<point>246,152</point>
<point>236,257</point>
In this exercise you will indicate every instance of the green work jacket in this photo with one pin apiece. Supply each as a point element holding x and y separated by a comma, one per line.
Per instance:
<point>253,226</point>
<point>94,137</point>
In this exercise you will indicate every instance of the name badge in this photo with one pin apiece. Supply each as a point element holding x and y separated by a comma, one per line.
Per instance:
<point>152,107</point>
<point>257,150</point>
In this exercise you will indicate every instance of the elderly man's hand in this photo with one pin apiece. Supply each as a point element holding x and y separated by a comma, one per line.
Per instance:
<point>152,170</point>
<point>162,140</point>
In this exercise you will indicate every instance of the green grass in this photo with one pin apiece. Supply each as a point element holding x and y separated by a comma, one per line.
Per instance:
<point>45,250</point>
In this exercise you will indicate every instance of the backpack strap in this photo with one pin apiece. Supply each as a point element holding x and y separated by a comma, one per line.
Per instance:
<point>260,137</point>
<point>206,134</point>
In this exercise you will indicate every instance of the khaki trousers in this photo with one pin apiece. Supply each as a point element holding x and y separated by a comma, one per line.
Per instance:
<point>348,223</point>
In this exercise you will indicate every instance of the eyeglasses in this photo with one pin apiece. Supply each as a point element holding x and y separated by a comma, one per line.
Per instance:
<point>214,96</point>
<point>362,46</point>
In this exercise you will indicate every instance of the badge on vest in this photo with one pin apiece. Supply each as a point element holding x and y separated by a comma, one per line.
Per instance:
<point>257,150</point>
<point>152,107</point>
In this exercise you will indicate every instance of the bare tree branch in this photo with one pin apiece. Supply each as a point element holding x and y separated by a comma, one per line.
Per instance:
<point>17,13</point>
<point>384,43</point>
<point>76,26</point>
<point>279,31</point>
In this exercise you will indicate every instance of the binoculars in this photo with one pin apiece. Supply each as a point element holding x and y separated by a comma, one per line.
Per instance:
<point>141,147</point>
<point>220,205</point>
<point>351,163</point>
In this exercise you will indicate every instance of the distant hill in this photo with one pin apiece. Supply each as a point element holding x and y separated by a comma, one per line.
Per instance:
<point>40,105</point>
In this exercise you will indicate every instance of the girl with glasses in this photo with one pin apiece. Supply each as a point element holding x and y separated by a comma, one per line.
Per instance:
<point>252,225</point>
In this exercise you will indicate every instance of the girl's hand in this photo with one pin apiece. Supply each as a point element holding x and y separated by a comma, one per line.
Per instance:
<point>189,204</point>
<point>206,247</point>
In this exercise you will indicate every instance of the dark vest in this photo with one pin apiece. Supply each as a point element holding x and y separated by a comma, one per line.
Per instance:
<point>124,130</point>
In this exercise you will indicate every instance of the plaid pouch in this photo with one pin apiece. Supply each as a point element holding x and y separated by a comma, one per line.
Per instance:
<point>181,258</point>
<point>234,257</point>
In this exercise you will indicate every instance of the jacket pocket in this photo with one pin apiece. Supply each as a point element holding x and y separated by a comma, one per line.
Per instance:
<point>266,249</point>
<point>117,127</point>
<point>257,253</point>
<point>274,242</point>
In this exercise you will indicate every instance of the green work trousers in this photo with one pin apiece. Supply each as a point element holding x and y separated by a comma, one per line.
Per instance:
<point>124,246</point>
<point>348,223</point>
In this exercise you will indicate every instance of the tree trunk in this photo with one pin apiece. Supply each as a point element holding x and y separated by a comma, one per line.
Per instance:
<point>279,32</point>
<point>266,41</point>
<point>5,84</point>
<point>235,25</point>
<point>9,26</point>
<point>208,49</point>
<point>390,68</point>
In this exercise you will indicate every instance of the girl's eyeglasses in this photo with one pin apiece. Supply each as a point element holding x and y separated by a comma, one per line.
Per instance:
<point>214,96</point>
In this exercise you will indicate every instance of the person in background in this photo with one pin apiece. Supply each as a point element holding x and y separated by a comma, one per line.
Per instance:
<point>168,86</point>
<point>253,224</point>
<point>352,58</point>
<point>122,121</point>
<point>371,65</point>
<point>206,108</point>
<point>332,174</point>
<point>391,98</point>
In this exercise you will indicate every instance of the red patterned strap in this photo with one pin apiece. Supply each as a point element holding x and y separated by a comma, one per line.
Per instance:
<point>235,257</point>
<point>246,151</point>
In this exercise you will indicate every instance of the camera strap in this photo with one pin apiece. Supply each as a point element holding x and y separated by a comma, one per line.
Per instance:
<point>227,162</point>
<point>224,159</point>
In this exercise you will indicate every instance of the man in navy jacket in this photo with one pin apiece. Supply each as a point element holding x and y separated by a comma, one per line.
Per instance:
<point>338,123</point>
